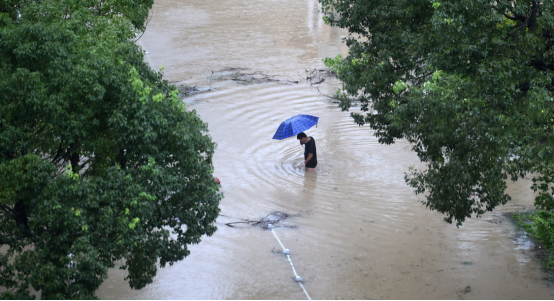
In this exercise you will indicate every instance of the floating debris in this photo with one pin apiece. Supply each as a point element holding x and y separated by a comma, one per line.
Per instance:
<point>240,77</point>
<point>190,90</point>
<point>270,219</point>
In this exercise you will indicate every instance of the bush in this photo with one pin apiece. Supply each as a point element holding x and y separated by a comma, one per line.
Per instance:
<point>540,225</point>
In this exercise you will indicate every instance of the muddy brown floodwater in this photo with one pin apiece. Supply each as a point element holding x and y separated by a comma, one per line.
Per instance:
<point>360,233</point>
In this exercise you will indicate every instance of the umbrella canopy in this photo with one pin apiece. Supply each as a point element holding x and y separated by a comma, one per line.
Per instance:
<point>295,125</point>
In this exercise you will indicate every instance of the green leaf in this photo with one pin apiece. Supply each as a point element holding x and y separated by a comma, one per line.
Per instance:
<point>86,123</point>
<point>468,86</point>
<point>133,224</point>
<point>399,86</point>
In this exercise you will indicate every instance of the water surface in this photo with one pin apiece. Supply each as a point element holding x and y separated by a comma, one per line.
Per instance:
<point>361,233</point>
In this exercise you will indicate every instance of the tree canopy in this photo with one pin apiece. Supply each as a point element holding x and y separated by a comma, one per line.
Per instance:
<point>469,83</point>
<point>100,161</point>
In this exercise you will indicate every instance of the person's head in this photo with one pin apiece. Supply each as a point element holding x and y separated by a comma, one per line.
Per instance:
<point>302,137</point>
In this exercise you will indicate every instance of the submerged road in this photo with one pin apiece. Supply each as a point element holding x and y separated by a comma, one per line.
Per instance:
<point>358,231</point>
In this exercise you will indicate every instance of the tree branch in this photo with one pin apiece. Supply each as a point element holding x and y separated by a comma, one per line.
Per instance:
<point>515,48</point>
<point>6,208</point>
<point>524,88</point>
<point>539,64</point>
<point>41,129</point>
<point>423,76</point>
<point>531,21</point>
<point>67,154</point>
<point>511,18</point>
<point>145,26</point>
<point>58,152</point>
<point>74,159</point>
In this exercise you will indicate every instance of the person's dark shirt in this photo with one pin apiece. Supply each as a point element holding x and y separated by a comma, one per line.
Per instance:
<point>310,149</point>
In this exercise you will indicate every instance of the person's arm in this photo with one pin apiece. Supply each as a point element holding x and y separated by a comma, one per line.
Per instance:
<point>309,151</point>
<point>310,155</point>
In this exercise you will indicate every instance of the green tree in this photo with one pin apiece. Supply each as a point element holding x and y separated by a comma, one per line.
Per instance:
<point>468,82</point>
<point>99,159</point>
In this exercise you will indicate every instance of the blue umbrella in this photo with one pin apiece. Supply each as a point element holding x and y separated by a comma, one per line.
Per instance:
<point>295,125</point>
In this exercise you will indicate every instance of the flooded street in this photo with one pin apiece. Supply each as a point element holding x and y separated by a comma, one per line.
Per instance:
<point>358,231</point>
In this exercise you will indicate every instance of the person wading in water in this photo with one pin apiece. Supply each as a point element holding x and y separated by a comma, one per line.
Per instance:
<point>310,154</point>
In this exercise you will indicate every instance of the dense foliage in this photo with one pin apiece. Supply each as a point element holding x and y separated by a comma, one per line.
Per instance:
<point>468,82</point>
<point>99,159</point>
